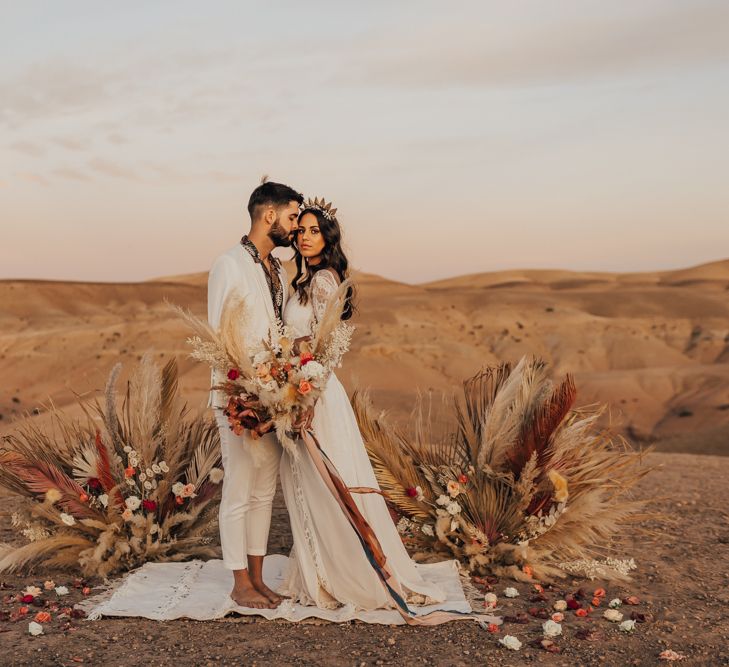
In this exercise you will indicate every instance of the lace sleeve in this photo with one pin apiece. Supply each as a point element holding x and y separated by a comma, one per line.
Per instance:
<point>323,285</point>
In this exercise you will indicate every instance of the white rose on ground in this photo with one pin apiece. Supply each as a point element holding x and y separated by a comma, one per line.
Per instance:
<point>133,502</point>
<point>627,626</point>
<point>560,605</point>
<point>615,603</point>
<point>35,629</point>
<point>551,629</point>
<point>511,592</point>
<point>612,615</point>
<point>490,600</point>
<point>61,590</point>
<point>510,642</point>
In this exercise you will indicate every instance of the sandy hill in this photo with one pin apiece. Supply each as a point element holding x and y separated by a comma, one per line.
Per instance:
<point>655,346</point>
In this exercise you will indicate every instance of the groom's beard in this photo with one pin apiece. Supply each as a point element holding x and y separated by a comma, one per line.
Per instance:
<point>280,237</point>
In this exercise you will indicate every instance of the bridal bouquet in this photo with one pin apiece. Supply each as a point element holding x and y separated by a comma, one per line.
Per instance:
<point>272,384</point>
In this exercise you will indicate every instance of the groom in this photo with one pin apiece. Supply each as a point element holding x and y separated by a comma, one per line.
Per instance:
<point>249,486</point>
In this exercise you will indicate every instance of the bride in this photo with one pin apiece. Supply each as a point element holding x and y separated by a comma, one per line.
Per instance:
<point>328,566</point>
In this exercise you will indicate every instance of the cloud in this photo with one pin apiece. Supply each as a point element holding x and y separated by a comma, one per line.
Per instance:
<point>32,177</point>
<point>27,147</point>
<point>520,52</point>
<point>71,143</point>
<point>109,168</point>
<point>116,138</point>
<point>71,174</point>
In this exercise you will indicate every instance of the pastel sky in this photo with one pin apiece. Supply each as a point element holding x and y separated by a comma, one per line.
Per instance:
<point>453,137</point>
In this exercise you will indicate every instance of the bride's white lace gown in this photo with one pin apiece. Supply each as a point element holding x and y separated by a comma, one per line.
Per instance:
<point>327,565</point>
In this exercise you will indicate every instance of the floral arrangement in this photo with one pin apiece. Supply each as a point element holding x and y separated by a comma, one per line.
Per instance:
<point>270,384</point>
<point>518,483</point>
<point>123,488</point>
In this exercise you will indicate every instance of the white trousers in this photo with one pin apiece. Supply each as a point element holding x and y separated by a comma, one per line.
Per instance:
<point>247,496</point>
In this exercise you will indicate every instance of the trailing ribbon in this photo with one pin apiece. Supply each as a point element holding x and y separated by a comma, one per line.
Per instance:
<point>371,545</point>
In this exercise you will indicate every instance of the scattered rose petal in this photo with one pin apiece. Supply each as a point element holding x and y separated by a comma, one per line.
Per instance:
<point>510,642</point>
<point>612,615</point>
<point>511,592</point>
<point>35,629</point>
<point>490,600</point>
<point>670,655</point>
<point>520,618</point>
<point>627,626</point>
<point>551,629</point>
<point>548,645</point>
<point>539,597</point>
<point>640,617</point>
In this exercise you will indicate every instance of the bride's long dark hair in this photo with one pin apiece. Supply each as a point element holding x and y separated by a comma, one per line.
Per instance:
<point>332,257</point>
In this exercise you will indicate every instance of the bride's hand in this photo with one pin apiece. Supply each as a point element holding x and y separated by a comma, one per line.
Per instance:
<point>305,418</point>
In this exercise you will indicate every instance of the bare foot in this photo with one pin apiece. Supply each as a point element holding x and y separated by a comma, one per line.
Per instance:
<point>268,593</point>
<point>250,597</point>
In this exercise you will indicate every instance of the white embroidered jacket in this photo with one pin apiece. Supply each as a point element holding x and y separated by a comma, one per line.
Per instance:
<point>235,269</point>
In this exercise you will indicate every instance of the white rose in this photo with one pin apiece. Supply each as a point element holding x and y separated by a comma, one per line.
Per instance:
<point>560,605</point>
<point>61,590</point>
<point>177,488</point>
<point>511,592</point>
<point>615,603</point>
<point>442,500</point>
<point>313,370</point>
<point>551,629</point>
<point>427,529</point>
<point>490,600</point>
<point>510,642</point>
<point>453,508</point>
<point>612,615</point>
<point>35,629</point>
<point>104,499</point>
<point>67,519</point>
<point>627,626</point>
<point>133,502</point>
<point>403,525</point>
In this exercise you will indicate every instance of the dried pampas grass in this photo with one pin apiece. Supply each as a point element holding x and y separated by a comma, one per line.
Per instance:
<point>522,484</point>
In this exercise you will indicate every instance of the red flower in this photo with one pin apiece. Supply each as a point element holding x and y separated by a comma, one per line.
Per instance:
<point>179,500</point>
<point>27,598</point>
<point>233,374</point>
<point>83,497</point>
<point>149,505</point>
<point>306,357</point>
<point>129,472</point>
<point>94,483</point>
<point>493,627</point>
<point>463,479</point>
<point>573,604</point>
<point>412,491</point>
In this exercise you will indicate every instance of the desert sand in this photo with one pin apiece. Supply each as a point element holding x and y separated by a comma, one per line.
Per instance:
<point>653,346</point>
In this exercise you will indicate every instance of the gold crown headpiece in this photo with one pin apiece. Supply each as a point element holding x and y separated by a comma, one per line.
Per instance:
<point>321,205</point>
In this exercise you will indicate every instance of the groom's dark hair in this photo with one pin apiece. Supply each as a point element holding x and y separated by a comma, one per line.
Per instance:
<point>271,194</point>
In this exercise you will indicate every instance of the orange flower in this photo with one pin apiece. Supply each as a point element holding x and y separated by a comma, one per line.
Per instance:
<point>581,613</point>
<point>179,500</point>
<point>596,602</point>
<point>85,590</point>
<point>600,593</point>
<point>42,617</point>
<point>83,497</point>
<point>527,570</point>
<point>129,472</point>
<point>23,611</point>
<point>493,627</point>
<point>463,479</point>
<point>539,588</point>
<point>305,387</point>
